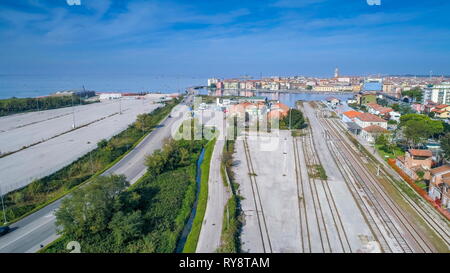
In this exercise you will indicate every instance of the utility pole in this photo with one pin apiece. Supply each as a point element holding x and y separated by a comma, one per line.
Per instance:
<point>3,206</point>
<point>290,118</point>
<point>73,115</point>
<point>228,218</point>
<point>120,105</point>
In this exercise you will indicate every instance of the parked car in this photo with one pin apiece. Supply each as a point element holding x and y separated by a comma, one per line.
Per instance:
<point>4,230</point>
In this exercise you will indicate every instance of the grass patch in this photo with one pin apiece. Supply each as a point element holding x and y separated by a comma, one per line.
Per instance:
<point>232,222</point>
<point>297,133</point>
<point>386,154</point>
<point>317,171</point>
<point>192,239</point>
<point>230,228</point>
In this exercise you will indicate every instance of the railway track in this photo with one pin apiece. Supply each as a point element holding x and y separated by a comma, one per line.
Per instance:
<point>429,215</point>
<point>318,213</point>
<point>262,225</point>
<point>337,220</point>
<point>303,217</point>
<point>381,202</point>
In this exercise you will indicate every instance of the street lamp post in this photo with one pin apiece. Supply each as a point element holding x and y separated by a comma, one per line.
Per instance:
<point>290,118</point>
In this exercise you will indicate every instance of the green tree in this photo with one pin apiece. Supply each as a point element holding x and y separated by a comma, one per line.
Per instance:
<point>445,145</point>
<point>126,227</point>
<point>418,128</point>
<point>295,118</point>
<point>416,94</point>
<point>396,107</point>
<point>102,143</point>
<point>382,140</point>
<point>382,102</point>
<point>88,210</point>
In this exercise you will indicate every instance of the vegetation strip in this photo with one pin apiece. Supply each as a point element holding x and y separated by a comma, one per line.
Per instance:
<point>232,224</point>
<point>20,105</point>
<point>192,239</point>
<point>40,193</point>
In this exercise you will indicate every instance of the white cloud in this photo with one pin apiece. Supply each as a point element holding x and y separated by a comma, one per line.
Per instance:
<point>73,2</point>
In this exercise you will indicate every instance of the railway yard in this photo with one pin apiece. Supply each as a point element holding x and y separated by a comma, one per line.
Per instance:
<point>318,192</point>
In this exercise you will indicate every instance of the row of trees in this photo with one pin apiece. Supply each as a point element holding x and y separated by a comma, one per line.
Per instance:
<point>417,128</point>
<point>18,105</point>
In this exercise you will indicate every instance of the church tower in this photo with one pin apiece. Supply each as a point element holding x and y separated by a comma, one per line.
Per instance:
<point>336,72</point>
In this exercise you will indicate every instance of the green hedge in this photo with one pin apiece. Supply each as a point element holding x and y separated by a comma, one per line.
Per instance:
<point>19,105</point>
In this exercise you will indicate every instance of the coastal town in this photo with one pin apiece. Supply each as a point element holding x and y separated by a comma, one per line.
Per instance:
<point>377,114</point>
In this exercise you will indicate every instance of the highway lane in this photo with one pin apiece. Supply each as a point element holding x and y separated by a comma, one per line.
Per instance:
<point>39,228</point>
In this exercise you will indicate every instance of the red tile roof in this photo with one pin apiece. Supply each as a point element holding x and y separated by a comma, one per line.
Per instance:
<point>441,169</point>
<point>352,113</point>
<point>375,129</point>
<point>441,106</point>
<point>370,118</point>
<point>416,152</point>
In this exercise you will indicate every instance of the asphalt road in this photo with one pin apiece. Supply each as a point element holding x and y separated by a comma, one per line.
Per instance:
<point>39,228</point>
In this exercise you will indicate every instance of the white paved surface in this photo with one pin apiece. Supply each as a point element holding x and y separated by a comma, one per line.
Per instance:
<point>40,160</point>
<point>25,129</point>
<point>275,179</point>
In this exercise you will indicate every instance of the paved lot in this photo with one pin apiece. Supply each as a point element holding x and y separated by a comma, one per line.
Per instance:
<point>277,229</point>
<point>296,213</point>
<point>35,162</point>
<point>25,129</point>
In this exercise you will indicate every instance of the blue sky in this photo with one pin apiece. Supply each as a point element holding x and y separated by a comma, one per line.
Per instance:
<point>225,38</point>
